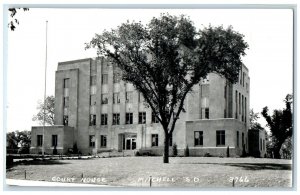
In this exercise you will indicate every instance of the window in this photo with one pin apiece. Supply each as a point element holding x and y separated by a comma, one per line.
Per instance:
<point>198,138</point>
<point>103,141</point>
<point>104,98</point>
<point>236,104</point>
<point>104,79</point>
<point>92,141</point>
<point>66,83</point>
<point>247,87</point>
<point>141,98</point>
<point>66,102</point>
<point>103,119</point>
<point>129,97</point>
<point>92,100</point>
<point>244,79</point>
<point>54,140</point>
<point>66,120</point>
<point>154,140</point>
<point>238,139</point>
<point>39,140</point>
<point>154,118</point>
<point>116,98</point>
<point>92,119</point>
<point>93,80</point>
<point>129,118</point>
<point>245,109</point>
<point>220,137</point>
<point>142,117</point>
<point>93,68</point>
<point>116,77</point>
<point>242,108</point>
<point>206,113</point>
<point>116,119</point>
<point>239,103</point>
<point>225,91</point>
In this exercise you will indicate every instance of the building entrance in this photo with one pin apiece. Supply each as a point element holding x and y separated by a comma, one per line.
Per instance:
<point>127,141</point>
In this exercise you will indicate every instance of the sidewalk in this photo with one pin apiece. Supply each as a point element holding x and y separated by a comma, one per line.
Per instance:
<point>16,182</point>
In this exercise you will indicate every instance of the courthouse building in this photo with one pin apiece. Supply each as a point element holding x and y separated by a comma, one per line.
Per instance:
<point>98,112</point>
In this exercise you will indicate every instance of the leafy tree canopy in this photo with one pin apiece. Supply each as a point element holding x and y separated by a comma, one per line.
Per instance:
<point>49,111</point>
<point>14,21</point>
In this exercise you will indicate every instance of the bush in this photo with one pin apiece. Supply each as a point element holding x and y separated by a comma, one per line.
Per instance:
<point>174,149</point>
<point>207,154</point>
<point>75,148</point>
<point>137,153</point>
<point>186,151</point>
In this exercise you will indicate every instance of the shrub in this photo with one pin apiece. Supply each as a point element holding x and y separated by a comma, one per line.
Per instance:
<point>75,148</point>
<point>174,149</point>
<point>186,151</point>
<point>207,154</point>
<point>137,153</point>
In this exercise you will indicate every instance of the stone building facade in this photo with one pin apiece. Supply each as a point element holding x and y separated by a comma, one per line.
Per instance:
<point>98,112</point>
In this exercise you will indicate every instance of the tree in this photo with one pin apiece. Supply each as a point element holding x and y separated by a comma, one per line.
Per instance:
<point>49,111</point>
<point>13,12</point>
<point>280,124</point>
<point>167,57</point>
<point>18,141</point>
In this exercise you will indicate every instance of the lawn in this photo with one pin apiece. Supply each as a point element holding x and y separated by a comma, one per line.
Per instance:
<point>201,172</point>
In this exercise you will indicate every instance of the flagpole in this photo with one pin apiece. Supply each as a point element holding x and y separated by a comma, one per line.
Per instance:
<point>45,88</point>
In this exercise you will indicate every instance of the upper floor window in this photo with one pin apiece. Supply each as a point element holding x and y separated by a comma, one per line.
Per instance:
<point>220,135</point>
<point>142,117</point>
<point>116,98</point>
<point>104,79</point>
<point>237,138</point>
<point>129,97</point>
<point>104,98</point>
<point>103,141</point>
<point>93,80</point>
<point>66,120</point>
<point>116,119</point>
<point>92,100</point>
<point>66,102</point>
<point>103,119</point>
<point>129,118</point>
<point>154,118</point>
<point>92,119</point>
<point>66,83</point>
<point>116,77</point>
<point>206,113</point>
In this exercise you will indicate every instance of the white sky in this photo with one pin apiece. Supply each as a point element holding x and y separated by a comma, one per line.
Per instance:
<point>269,58</point>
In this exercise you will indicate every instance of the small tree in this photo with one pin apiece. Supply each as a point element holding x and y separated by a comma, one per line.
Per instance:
<point>227,152</point>
<point>186,151</point>
<point>165,59</point>
<point>280,124</point>
<point>49,111</point>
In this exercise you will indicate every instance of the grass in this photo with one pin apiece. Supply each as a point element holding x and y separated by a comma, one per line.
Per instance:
<point>180,172</point>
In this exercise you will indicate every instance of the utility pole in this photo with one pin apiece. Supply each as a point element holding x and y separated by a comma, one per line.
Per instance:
<point>45,88</point>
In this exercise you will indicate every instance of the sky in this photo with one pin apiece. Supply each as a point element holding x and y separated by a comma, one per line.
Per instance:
<point>269,58</point>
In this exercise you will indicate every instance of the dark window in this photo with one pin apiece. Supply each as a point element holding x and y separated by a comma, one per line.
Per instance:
<point>236,104</point>
<point>244,79</point>
<point>104,79</point>
<point>93,80</point>
<point>66,102</point>
<point>92,141</point>
<point>129,118</point>
<point>116,77</point>
<point>92,119</point>
<point>238,139</point>
<point>66,120</point>
<point>239,103</point>
<point>206,113</point>
<point>66,83</point>
<point>154,118</point>
<point>142,117</point>
<point>54,140</point>
<point>104,98</point>
<point>129,97</point>
<point>116,98</point>
<point>103,141</point>
<point>220,137</point>
<point>103,119</point>
<point>198,138</point>
<point>154,140</point>
<point>116,119</point>
<point>39,140</point>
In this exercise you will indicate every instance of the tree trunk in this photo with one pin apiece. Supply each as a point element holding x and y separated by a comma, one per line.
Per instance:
<point>166,149</point>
